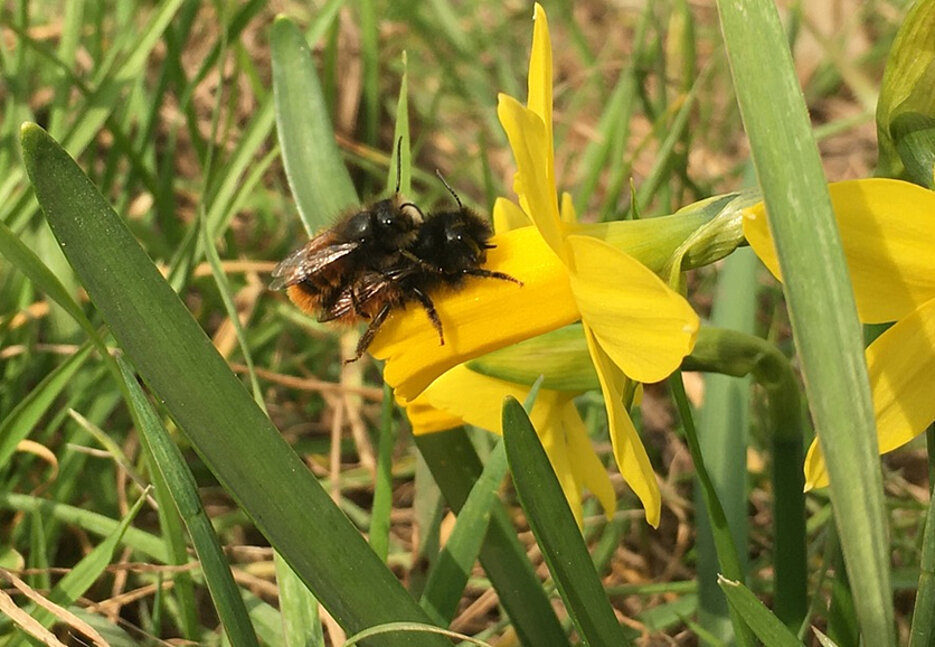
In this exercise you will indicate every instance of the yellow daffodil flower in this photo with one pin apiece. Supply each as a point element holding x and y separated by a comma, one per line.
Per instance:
<point>888,236</point>
<point>636,327</point>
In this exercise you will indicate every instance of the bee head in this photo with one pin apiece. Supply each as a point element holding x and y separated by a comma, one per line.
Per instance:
<point>453,240</point>
<point>382,226</point>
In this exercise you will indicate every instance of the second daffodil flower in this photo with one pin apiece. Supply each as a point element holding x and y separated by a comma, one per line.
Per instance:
<point>636,327</point>
<point>888,236</point>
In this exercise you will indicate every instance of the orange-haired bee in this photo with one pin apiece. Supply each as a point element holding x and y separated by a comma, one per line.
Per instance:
<point>368,240</point>
<point>382,258</point>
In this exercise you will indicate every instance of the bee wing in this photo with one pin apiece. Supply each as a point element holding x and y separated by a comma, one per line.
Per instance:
<point>306,261</point>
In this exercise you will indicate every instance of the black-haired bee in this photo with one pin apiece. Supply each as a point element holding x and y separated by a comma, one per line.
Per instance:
<point>345,277</point>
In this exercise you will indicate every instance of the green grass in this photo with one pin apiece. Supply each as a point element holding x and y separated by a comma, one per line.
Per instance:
<point>170,111</point>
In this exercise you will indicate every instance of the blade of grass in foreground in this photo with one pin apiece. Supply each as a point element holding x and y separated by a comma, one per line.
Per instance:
<point>554,526</point>
<point>181,485</point>
<point>819,296</point>
<point>209,403</point>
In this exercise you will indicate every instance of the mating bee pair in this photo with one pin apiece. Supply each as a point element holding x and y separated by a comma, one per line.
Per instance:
<point>382,257</point>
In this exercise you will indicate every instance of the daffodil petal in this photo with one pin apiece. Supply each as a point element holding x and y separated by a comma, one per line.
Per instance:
<point>629,452</point>
<point>427,419</point>
<point>547,420</point>
<point>888,235</point>
<point>508,216</point>
<point>477,400</point>
<point>900,364</point>
<point>471,397</point>
<point>643,326</point>
<point>481,316</point>
<point>585,465</point>
<point>539,81</point>
<point>535,182</point>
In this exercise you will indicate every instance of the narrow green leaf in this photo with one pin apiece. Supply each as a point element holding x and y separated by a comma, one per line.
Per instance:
<point>237,442</point>
<point>27,262</point>
<point>227,298</point>
<point>383,487</point>
<point>301,625</point>
<point>456,467</point>
<point>923,616</point>
<point>821,306</point>
<point>400,172</point>
<point>83,574</point>
<point>764,624</point>
<point>556,531</point>
<point>317,176</point>
<point>722,433</point>
<point>20,421</point>
<point>727,557</point>
<point>403,157</point>
<point>168,461</point>
<point>729,352</point>
<point>449,575</point>
<point>145,543</point>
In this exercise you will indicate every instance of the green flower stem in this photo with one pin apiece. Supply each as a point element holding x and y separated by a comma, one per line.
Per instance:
<point>923,617</point>
<point>737,354</point>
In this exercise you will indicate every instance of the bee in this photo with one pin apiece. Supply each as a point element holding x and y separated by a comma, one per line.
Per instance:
<point>369,240</point>
<point>448,247</point>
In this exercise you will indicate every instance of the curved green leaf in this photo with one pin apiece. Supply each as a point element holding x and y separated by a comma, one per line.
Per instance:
<point>554,526</point>
<point>820,299</point>
<point>233,436</point>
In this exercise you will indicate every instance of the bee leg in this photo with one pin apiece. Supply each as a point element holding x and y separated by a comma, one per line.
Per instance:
<point>356,305</point>
<point>493,275</point>
<point>426,302</point>
<point>370,333</point>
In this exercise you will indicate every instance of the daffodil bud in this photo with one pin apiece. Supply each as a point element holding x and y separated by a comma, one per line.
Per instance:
<point>908,87</point>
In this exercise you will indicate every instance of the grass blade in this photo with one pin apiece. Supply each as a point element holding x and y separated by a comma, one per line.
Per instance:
<point>83,575</point>
<point>20,422</point>
<point>167,459</point>
<point>923,616</point>
<point>449,575</point>
<point>456,467</point>
<point>554,526</point>
<point>233,436</point>
<point>722,433</point>
<point>301,624</point>
<point>767,627</point>
<point>819,296</point>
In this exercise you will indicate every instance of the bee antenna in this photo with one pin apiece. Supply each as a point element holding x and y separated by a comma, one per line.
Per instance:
<point>450,190</point>
<point>399,163</point>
